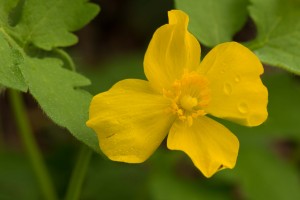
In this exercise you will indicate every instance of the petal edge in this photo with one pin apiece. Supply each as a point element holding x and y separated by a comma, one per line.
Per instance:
<point>130,120</point>
<point>210,145</point>
<point>171,51</point>
<point>237,92</point>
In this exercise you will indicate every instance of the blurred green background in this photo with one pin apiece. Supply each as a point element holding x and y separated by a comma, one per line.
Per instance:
<point>111,48</point>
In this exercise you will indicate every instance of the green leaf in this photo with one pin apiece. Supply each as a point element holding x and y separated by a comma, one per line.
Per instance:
<point>214,22</point>
<point>278,26</point>
<point>56,90</point>
<point>11,59</point>
<point>261,174</point>
<point>5,8</point>
<point>48,24</point>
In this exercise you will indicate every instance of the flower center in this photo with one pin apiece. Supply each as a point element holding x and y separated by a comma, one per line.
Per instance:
<point>190,96</point>
<point>188,103</point>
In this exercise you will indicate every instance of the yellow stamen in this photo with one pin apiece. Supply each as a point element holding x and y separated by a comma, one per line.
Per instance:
<point>188,103</point>
<point>190,95</point>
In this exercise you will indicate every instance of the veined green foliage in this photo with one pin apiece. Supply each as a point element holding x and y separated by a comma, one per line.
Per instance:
<point>278,37</point>
<point>56,92</point>
<point>278,29</point>
<point>214,22</point>
<point>27,29</point>
<point>48,24</point>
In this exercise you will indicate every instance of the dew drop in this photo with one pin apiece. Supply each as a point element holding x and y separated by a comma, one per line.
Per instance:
<point>243,108</point>
<point>222,71</point>
<point>237,79</point>
<point>227,88</point>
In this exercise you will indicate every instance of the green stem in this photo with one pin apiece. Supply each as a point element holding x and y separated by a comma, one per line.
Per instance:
<point>66,57</point>
<point>78,174</point>
<point>31,147</point>
<point>2,142</point>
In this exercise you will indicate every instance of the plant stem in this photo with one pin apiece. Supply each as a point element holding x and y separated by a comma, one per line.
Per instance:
<point>31,147</point>
<point>79,172</point>
<point>2,142</point>
<point>66,57</point>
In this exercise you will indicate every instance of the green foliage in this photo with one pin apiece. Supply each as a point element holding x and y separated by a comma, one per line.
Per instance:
<point>262,175</point>
<point>27,24</point>
<point>278,29</point>
<point>56,92</point>
<point>5,8</point>
<point>259,172</point>
<point>214,22</point>
<point>283,107</point>
<point>165,187</point>
<point>172,179</point>
<point>31,33</point>
<point>278,39</point>
<point>11,60</point>
<point>48,24</point>
<point>112,180</point>
<point>16,178</point>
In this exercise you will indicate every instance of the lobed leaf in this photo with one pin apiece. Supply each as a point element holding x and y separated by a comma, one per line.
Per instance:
<point>27,28</point>
<point>57,92</point>
<point>214,22</point>
<point>278,26</point>
<point>48,24</point>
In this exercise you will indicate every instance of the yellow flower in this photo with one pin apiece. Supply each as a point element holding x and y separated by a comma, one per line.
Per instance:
<point>134,116</point>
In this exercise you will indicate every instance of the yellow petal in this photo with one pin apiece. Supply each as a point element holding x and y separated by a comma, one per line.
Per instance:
<point>171,51</point>
<point>237,93</point>
<point>210,145</point>
<point>130,120</point>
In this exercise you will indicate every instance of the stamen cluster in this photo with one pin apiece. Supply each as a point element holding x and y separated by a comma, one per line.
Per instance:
<point>190,96</point>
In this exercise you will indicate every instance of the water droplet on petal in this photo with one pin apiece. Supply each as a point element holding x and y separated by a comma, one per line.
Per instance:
<point>237,79</point>
<point>243,108</point>
<point>227,88</point>
<point>222,71</point>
